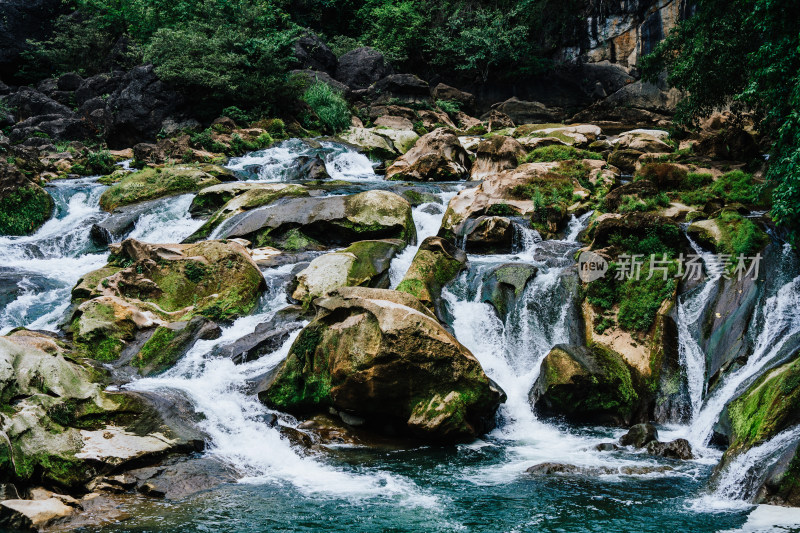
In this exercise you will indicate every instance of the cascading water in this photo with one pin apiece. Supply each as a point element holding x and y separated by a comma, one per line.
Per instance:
<point>169,221</point>
<point>284,161</point>
<point>427,219</point>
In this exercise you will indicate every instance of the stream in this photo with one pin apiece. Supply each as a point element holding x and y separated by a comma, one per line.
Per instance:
<point>479,486</point>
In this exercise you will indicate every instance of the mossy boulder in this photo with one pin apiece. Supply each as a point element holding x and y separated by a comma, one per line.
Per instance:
<point>170,342</point>
<point>585,385</point>
<point>24,205</point>
<point>363,263</point>
<point>382,356</point>
<point>296,224</point>
<point>229,199</point>
<point>63,429</point>
<point>437,156</point>
<point>155,182</point>
<point>146,285</point>
<point>371,143</point>
<point>436,263</point>
<point>769,407</point>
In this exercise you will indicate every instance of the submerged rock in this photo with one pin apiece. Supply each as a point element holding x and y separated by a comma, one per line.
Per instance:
<point>382,356</point>
<point>437,156</point>
<point>585,384</point>
<point>676,449</point>
<point>436,263</point>
<point>548,469</point>
<point>363,263</point>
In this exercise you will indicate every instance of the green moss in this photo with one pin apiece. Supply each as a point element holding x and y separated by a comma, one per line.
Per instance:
<point>159,352</point>
<point>414,287</point>
<point>640,300</point>
<point>501,210</point>
<point>151,183</point>
<point>768,406</point>
<point>559,153</point>
<point>740,235</point>
<point>24,210</point>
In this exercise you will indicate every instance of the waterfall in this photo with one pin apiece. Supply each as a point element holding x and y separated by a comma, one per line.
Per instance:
<point>779,320</point>
<point>427,220</point>
<point>235,422</point>
<point>169,221</point>
<point>576,225</point>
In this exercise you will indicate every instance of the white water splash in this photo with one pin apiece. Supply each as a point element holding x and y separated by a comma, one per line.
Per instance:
<point>780,320</point>
<point>427,220</point>
<point>170,221</point>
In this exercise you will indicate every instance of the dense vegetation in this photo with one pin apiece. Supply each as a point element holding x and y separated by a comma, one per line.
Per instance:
<point>755,47</point>
<point>238,52</point>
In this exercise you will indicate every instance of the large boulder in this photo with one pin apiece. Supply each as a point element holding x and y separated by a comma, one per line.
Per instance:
<point>360,68</point>
<point>148,285</point>
<point>228,199</point>
<point>437,156</point>
<point>585,385</point>
<point>382,356</point>
<point>504,285</point>
<point>151,183</point>
<point>312,53</point>
<point>24,205</point>
<point>371,142</point>
<point>731,144</point>
<point>445,92</point>
<point>304,223</point>
<point>63,428</point>
<point>137,109</point>
<point>436,264</point>
<point>495,154</point>
<point>363,263</point>
<point>523,112</point>
<point>646,141</point>
<point>402,87</point>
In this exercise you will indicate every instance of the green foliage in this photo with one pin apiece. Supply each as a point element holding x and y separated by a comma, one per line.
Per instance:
<point>738,186</point>
<point>237,115</point>
<point>640,299</point>
<point>559,153</point>
<point>501,210</point>
<point>632,203</point>
<point>451,107</point>
<point>101,162</point>
<point>754,46</point>
<point>341,44</point>
<point>396,28</point>
<point>329,106</point>
<point>740,235</point>
<point>694,181</point>
<point>23,210</point>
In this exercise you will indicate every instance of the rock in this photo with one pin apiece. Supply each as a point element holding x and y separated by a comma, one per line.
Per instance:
<point>313,168</point>
<point>151,183</point>
<point>137,109</point>
<point>706,233</point>
<point>211,200</point>
<point>638,225</point>
<point>522,112</point>
<point>370,142</point>
<point>33,515</point>
<point>403,87</point>
<point>267,337</point>
<point>495,154</point>
<point>381,355</point>
<point>177,479</point>
<point>94,87</point>
<point>548,469</point>
<point>312,53</point>
<point>69,82</point>
<point>437,156</point>
<point>504,285</point>
<point>120,223</point>
<point>403,140</point>
<point>641,190</point>
<point>676,449</point>
<point>24,205</point>
<point>585,384</point>
<point>730,144</point>
<point>606,447</point>
<point>581,135</point>
<point>639,436</point>
<point>360,68</point>
<point>447,93</point>
<point>301,223</point>
<point>169,343</point>
<point>155,284</point>
<point>394,123</point>
<point>497,120</point>
<point>363,263</point>
<point>31,103</point>
<point>624,159</point>
<point>645,141</point>
<point>436,263</point>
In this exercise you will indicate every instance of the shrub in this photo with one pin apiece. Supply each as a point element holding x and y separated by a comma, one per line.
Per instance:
<point>451,107</point>
<point>740,235</point>
<point>641,298</point>
<point>501,210</point>
<point>694,181</point>
<point>738,186</point>
<point>329,106</point>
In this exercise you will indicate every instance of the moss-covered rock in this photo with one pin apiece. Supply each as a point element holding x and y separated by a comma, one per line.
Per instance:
<point>229,199</point>
<point>436,264</point>
<point>585,384</point>
<point>150,183</point>
<point>297,224</point>
<point>169,343</point>
<point>24,205</point>
<point>505,284</point>
<point>147,285</point>
<point>382,356</point>
<point>363,263</point>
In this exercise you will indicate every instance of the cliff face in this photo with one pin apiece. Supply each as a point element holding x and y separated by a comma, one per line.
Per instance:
<point>622,31</point>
